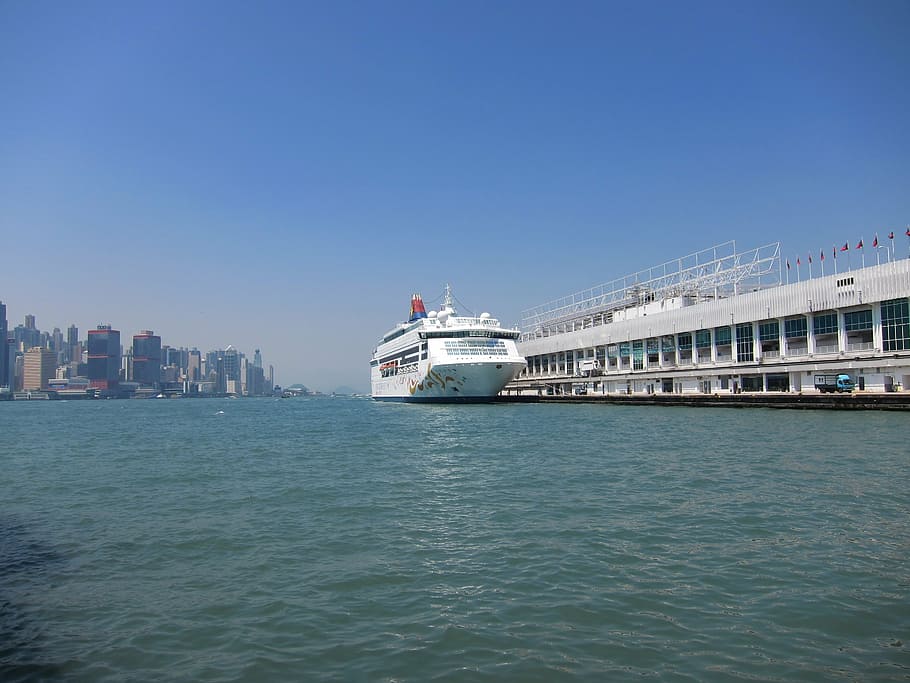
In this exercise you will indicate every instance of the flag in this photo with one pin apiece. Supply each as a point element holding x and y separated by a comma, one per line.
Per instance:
<point>834,251</point>
<point>788,264</point>
<point>859,245</point>
<point>875,241</point>
<point>891,235</point>
<point>821,254</point>
<point>846,246</point>
<point>810,258</point>
<point>797,261</point>
<point>908,231</point>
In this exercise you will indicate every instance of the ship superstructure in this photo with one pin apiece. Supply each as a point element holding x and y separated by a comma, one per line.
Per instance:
<point>440,356</point>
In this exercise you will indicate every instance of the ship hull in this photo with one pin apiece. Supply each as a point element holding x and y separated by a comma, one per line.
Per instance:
<point>468,382</point>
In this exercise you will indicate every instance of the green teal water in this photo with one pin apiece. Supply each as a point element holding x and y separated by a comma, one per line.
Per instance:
<point>342,539</point>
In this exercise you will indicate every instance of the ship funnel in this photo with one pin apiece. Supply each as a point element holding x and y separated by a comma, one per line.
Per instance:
<point>417,309</point>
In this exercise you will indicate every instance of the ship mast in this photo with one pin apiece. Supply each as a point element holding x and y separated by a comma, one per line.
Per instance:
<point>447,299</point>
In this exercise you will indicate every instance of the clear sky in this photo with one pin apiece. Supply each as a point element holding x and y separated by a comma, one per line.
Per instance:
<point>283,175</point>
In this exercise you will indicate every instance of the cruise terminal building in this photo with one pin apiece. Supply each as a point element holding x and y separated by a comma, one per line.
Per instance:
<point>721,320</point>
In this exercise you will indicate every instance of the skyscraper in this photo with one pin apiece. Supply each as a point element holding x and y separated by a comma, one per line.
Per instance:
<point>231,369</point>
<point>72,341</point>
<point>104,357</point>
<point>4,347</point>
<point>147,358</point>
<point>194,365</point>
<point>27,335</point>
<point>57,345</point>
<point>39,366</point>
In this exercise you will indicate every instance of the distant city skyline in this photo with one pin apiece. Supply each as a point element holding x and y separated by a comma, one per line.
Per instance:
<point>283,176</point>
<point>111,362</point>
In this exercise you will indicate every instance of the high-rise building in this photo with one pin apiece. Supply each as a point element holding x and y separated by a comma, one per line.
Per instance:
<point>231,370</point>
<point>17,365</point>
<point>255,382</point>
<point>57,345</point>
<point>194,366</point>
<point>72,341</point>
<point>27,335</point>
<point>4,347</point>
<point>39,366</point>
<point>147,358</point>
<point>104,357</point>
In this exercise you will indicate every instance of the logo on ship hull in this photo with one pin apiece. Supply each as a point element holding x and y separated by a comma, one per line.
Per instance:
<point>432,380</point>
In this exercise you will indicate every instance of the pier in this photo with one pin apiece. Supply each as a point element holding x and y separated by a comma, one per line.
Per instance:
<point>797,401</point>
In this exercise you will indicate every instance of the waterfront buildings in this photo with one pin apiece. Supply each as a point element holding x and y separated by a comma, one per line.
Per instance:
<point>66,366</point>
<point>723,320</point>
<point>4,347</point>
<point>147,358</point>
<point>39,367</point>
<point>104,357</point>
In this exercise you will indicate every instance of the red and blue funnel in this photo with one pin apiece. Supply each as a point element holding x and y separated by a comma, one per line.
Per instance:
<point>417,309</point>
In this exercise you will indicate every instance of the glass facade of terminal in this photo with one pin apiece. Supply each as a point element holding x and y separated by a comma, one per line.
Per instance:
<point>808,338</point>
<point>896,325</point>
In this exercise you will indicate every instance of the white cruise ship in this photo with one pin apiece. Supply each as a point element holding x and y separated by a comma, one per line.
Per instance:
<point>444,358</point>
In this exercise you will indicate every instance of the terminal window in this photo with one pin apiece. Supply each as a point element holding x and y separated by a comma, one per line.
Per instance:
<point>896,325</point>
<point>745,351</point>
<point>769,331</point>
<point>795,328</point>
<point>858,321</point>
<point>825,323</point>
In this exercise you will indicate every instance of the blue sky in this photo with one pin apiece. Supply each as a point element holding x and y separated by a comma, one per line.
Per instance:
<point>283,175</point>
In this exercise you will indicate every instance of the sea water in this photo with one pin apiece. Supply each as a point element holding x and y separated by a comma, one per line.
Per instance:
<point>342,539</point>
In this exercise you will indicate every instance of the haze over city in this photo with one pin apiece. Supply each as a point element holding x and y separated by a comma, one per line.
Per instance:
<point>283,176</point>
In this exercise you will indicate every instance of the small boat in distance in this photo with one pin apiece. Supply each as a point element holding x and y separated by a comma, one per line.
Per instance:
<point>441,357</point>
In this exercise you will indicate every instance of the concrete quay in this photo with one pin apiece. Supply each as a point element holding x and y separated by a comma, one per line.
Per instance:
<point>859,400</point>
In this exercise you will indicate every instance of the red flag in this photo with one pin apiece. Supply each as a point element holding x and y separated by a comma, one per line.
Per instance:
<point>891,235</point>
<point>859,245</point>
<point>797,261</point>
<point>845,247</point>
<point>821,254</point>
<point>875,241</point>
<point>908,232</point>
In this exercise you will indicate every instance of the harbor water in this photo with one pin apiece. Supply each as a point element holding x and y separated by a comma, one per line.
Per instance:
<point>343,539</point>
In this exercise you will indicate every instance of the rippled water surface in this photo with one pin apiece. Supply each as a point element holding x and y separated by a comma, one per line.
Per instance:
<point>302,539</point>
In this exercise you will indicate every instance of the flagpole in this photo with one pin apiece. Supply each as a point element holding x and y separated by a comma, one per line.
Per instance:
<point>822,255</point>
<point>810,266</point>
<point>863,251</point>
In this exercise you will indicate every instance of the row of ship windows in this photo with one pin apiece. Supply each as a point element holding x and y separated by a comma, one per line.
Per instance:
<point>476,347</point>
